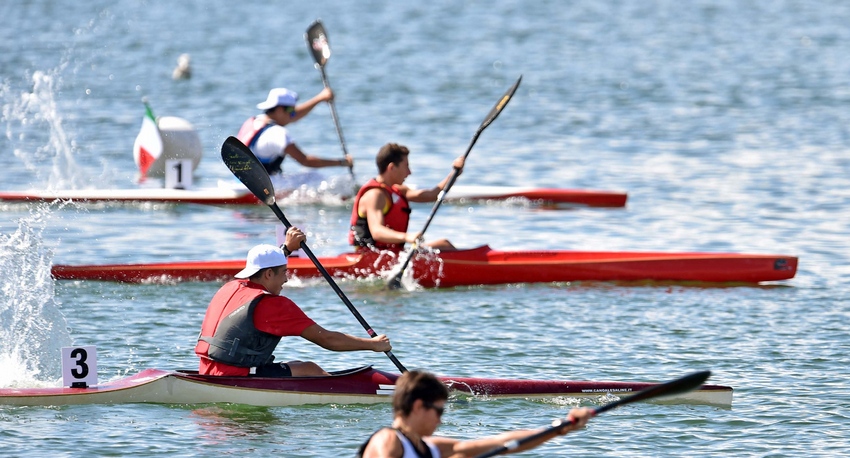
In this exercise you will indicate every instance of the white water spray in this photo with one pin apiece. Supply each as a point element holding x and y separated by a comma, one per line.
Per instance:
<point>32,329</point>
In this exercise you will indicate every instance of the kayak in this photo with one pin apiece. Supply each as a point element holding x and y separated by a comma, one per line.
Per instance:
<point>363,385</point>
<point>476,266</point>
<point>241,196</point>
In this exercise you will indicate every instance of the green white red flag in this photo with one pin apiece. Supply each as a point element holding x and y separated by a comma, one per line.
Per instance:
<point>148,145</point>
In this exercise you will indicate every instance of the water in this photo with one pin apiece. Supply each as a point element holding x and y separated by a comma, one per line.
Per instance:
<point>725,121</point>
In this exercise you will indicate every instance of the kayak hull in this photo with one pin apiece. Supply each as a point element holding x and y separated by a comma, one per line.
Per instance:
<point>241,196</point>
<point>363,385</point>
<point>478,266</point>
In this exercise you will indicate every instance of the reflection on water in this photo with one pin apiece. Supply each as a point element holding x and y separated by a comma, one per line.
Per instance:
<point>220,424</point>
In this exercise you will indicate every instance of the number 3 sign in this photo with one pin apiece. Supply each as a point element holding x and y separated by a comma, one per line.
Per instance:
<point>79,366</point>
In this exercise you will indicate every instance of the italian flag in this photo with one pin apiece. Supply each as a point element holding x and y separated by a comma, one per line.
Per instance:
<point>148,145</point>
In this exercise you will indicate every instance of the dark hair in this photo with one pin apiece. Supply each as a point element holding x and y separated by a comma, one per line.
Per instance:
<point>413,385</point>
<point>391,153</point>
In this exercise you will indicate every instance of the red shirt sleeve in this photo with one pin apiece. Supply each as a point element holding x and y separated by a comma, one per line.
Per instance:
<point>277,315</point>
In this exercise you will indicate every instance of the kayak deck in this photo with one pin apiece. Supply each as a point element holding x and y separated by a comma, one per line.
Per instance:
<point>363,385</point>
<point>478,266</point>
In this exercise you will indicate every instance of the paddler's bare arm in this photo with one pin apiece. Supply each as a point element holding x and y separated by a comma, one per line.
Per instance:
<point>338,341</point>
<point>302,109</point>
<point>430,195</point>
<point>455,448</point>
<point>308,160</point>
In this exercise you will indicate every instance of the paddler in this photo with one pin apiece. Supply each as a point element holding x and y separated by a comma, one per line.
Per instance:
<point>381,210</point>
<point>247,317</point>
<point>269,140</point>
<point>418,405</point>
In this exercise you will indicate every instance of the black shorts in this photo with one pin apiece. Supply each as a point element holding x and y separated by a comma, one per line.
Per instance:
<point>273,370</point>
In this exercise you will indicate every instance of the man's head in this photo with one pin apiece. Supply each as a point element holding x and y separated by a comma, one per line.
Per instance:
<point>391,153</point>
<point>265,265</point>
<point>279,99</point>
<point>417,385</point>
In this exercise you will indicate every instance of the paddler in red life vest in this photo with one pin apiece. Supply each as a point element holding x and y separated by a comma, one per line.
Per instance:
<point>381,210</point>
<point>247,317</point>
<point>269,140</point>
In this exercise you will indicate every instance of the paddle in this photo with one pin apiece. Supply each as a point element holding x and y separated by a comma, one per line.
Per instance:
<point>680,385</point>
<point>395,281</point>
<point>317,42</point>
<point>242,162</point>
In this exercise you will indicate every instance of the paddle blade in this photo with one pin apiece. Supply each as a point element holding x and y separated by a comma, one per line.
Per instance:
<point>680,385</point>
<point>317,43</point>
<point>500,105</point>
<point>248,169</point>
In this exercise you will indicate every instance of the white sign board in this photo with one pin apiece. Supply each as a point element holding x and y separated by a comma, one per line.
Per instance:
<point>178,174</point>
<point>79,366</point>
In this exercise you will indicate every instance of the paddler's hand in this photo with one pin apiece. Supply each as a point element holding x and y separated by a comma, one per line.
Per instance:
<point>382,343</point>
<point>579,418</point>
<point>458,164</point>
<point>413,237</point>
<point>347,161</point>
<point>326,95</point>
<point>294,237</point>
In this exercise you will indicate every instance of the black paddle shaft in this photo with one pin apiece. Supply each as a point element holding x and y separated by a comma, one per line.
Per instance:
<point>395,281</point>
<point>248,169</point>
<point>680,385</point>
<point>320,49</point>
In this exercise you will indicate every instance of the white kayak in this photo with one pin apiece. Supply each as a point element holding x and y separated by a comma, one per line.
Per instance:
<point>241,196</point>
<point>363,385</point>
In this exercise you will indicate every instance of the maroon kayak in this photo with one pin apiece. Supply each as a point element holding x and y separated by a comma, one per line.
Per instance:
<point>478,266</point>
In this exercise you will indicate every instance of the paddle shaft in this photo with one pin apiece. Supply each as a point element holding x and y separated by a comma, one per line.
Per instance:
<point>395,281</point>
<point>680,385</point>
<point>277,211</point>
<point>248,169</point>
<point>316,31</point>
<point>334,116</point>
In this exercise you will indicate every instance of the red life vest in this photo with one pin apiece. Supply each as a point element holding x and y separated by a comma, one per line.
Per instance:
<point>396,217</point>
<point>248,133</point>
<point>228,334</point>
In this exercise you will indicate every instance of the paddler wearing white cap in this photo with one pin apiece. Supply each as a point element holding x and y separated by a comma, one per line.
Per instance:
<point>247,318</point>
<point>268,139</point>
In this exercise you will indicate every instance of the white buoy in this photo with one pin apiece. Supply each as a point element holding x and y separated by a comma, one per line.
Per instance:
<point>183,70</point>
<point>180,141</point>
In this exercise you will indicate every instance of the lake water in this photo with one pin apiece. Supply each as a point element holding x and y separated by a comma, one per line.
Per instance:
<point>726,122</point>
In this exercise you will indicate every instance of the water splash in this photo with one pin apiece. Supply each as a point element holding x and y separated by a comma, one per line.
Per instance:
<point>32,328</point>
<point>34,124</point>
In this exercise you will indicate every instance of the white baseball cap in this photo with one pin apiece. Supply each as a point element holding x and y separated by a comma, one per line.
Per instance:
<point>262,257</point>
<point>279,97</point>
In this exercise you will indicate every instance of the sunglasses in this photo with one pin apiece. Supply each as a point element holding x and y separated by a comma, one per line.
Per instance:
<point>437,409</point>
<point>290,110</point>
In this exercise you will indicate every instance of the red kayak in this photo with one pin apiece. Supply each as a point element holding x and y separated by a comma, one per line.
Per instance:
<point>363,385</point>
<point>478,266</point>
